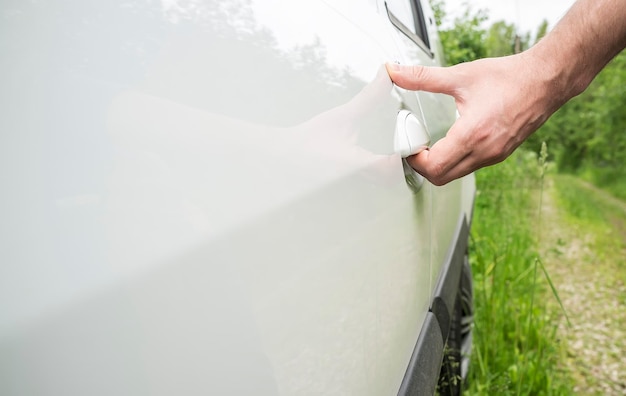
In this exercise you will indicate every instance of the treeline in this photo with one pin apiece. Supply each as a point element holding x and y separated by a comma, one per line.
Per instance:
<point>587,136</point>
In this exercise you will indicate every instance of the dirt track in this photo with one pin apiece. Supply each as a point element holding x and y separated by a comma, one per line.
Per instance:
<point>592,294</point>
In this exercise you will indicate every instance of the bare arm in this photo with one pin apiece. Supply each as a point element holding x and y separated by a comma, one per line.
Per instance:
<point>501,101</point>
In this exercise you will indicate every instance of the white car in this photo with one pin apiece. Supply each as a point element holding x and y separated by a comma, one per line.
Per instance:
<point>205,197</point>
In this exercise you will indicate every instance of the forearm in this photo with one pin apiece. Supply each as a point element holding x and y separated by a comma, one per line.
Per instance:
<point>581,44</point>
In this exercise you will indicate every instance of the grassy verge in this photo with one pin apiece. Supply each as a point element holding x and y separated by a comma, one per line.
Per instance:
<point>600,216</point>
<point>612,180</point>
<point>516,351</point>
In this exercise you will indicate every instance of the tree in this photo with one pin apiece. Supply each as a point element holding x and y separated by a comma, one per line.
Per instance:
<point>465,40</point>
<point>588,134</point>
<point>439,10</point>
<point>500,40</point>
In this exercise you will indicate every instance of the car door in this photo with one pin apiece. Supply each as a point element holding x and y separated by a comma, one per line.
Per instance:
<point>203,198</point>
<point>417,36</point>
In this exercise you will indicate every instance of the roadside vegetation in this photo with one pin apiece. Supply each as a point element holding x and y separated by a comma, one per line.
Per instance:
<point>548,245</point>
<point>588,134</point>
<point>548,253</point>
<point>516,349</point>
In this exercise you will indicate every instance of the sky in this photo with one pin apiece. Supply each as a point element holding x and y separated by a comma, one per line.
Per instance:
<point>527,14</point>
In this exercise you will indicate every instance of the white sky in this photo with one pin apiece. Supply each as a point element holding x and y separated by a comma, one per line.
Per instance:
<point>527,14</point>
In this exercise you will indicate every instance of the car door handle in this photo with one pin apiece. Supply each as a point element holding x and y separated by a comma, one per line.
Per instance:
<point>411,136</point>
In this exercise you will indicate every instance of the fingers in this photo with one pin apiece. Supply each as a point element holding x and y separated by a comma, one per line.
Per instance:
<point>444,162</point>
<point>455,156</point>
<point>452,157</point>
<point>473,141</point>
<point>423,78</point>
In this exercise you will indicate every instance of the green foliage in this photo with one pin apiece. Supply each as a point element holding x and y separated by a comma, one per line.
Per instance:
<point>500,39</point>
<point>467,40</point>
<point>438,7</point>
<point>612,179</point>
<point>515,341</point>
<point>464,41</point>
<point>588,134</point>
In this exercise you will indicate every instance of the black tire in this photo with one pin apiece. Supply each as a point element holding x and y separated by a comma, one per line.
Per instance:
<point>467,317</point>
<point>458,346</point>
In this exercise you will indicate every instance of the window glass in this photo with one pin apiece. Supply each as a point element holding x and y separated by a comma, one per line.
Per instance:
<point>407,15</point>
<point>402,10</point>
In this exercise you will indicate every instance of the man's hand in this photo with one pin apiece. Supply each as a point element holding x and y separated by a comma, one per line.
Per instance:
<point>501,101</point>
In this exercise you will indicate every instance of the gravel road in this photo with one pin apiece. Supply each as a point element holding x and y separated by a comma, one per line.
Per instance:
<point>591,287</point>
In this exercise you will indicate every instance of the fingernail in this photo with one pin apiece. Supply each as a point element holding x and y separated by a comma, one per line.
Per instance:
<point>393,66</point>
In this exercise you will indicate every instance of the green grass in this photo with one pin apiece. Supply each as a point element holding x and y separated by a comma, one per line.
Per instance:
<point>600,216</point>
<point>610,179</point>
<point>516,350</point>
<point>596,225</point>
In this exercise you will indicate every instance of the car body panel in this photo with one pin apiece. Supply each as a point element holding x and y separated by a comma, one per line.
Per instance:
<point>202,198</point>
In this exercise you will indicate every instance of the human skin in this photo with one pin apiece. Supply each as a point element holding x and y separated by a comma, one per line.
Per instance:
<point>502,101</point>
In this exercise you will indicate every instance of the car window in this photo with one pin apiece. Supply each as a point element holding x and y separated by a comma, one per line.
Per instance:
<point>408,17</point>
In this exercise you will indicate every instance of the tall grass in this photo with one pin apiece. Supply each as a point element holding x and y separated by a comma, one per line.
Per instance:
<point>516,349</point>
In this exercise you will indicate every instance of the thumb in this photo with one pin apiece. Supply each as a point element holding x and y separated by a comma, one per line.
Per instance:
<point>422,78</point>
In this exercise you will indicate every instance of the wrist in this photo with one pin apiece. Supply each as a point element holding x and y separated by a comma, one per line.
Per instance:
<point>557,73</point>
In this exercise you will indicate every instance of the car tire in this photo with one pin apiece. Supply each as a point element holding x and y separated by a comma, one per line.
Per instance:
<point>455,365</point>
